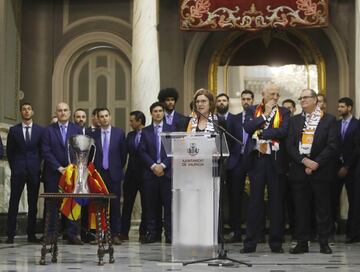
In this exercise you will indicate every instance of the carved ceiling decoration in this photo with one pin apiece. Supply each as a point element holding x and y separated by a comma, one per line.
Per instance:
<point>252,15</point>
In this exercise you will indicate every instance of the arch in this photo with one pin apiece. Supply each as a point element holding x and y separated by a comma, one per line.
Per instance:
<point>69,54</point>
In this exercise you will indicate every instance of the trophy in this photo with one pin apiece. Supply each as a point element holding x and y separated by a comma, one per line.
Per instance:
<point>81,146</point>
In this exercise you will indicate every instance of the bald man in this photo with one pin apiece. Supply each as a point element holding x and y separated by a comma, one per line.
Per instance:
<point>55,154</point>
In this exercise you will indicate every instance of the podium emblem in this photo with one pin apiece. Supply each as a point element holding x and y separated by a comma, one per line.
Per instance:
<point>193,150</point>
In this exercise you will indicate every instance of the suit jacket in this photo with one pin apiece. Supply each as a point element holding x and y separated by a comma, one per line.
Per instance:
<point>147,151</point>
<point>235,128</point>
<point>324,148</point>
<point>346,145</point>
<point>23,156</point>
<point>252,124</point>
<point>1,149</point>
<point>135,162</point>
<point>117,153</point>
<point>54,151</point>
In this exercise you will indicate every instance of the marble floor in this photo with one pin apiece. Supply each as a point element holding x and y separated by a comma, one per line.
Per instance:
<point>131,256</point>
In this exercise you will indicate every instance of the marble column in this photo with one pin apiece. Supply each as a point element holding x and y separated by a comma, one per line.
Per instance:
<point>357,58</point>
<point>145,56</point>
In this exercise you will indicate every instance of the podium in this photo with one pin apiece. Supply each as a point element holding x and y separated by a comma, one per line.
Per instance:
<point>195,192</point>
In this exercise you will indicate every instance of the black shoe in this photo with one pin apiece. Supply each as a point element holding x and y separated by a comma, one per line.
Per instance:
<point>9,240</point>
<point>168,240</point>
<point>116,240</point>
<point>141,237</point>
<point>73,240</point>
<point>299,248</point>
<point>325,249</point>
<point>158,238</point>
<point>234,238</point>
<point>262,240</point>
<point>247,250</point>
<point>148,239</point>
<point>123,237</point>
<point>33,239</point>
<point>277,250</point>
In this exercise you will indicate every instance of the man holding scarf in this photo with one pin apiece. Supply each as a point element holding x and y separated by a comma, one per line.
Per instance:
<point>312,145</point>
<point>267,126</point>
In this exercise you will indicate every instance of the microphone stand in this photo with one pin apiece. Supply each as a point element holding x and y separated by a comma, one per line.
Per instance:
<point>222,253</point>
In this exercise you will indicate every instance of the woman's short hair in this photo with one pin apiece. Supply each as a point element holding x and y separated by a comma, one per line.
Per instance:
<point>209,96</point>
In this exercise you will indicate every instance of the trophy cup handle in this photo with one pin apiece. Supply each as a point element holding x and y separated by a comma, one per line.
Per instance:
<point>68,152</point>
<point>93,157</point>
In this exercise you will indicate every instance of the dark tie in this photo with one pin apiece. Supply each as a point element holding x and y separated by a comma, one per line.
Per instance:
<point>158,143</point>
<point>105,147</point>
<point>27,135</point>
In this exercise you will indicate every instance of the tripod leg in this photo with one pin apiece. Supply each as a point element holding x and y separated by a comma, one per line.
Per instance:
<point>200,261</point>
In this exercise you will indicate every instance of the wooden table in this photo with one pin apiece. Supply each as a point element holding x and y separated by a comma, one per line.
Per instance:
<point>53,202</point>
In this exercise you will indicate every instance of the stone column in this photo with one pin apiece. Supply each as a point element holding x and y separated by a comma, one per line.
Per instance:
<point>145,56</point>
<point>357,58</point>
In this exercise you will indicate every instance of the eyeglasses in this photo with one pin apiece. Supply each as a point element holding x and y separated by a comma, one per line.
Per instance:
<point>305,97</point>
<point>201,101</point>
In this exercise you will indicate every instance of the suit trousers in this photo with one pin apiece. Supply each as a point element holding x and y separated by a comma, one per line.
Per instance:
<point>262,173</point>
<point>114,186</point>
<point>235,186</point>
<point>303,192</point>
<point>133,183</point>
<point>18,182</point>
<point>158,192</point>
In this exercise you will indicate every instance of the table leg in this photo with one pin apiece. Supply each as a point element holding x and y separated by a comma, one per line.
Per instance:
<point>108,233</point>
<point>101,249</point>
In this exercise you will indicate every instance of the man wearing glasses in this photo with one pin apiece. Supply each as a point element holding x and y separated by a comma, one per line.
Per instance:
<point>312,145</point>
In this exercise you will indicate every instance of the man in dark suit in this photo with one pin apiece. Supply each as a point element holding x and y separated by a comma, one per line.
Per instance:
<point>157,174</point>
<point>94,122</point>
<point>55,153</point>
<point>236,172</point>
<point>1,149</point>
<point>23,152</point>
<point>110,159</point>
<point>267,126</point>
<point>312,145</point>
<point>348,126</point>
<point>133,177</point>
<point>80,119</point>
<point>168,97</point>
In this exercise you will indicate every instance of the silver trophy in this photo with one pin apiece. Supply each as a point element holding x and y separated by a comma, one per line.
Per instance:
<point>80,145</point>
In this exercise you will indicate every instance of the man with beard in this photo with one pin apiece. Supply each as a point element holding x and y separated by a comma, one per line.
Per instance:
<point>80,119</point>
<point>290,105</point>
<point>222,107</point>
<point>94,122</point>
<point>348,126</point>
<point>168,97</point>
<point>312,145</point>
<point>236,171</point>
<point>23,152</point>
<point>267,126</point>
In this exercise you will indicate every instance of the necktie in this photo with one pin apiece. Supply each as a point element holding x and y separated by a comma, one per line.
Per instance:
<point>343,129</point>
<point>27,135</point>
<point>245,135</point>
<point>137,139</point>
<point>105,147</point>
<point>158,143</point>
<point>63,133</point>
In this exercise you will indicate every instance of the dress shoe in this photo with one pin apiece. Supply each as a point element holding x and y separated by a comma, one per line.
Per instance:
<point>325,249</point>
<point>148,239</point>
<point>116,240</point>
<point>9,240</point>
<point>277,250</point>
<point>262,240</point>
<point>141,237</point>
<point>168,240</point>
<point>33,239</point>
<point>123,237</point>
<point>234,238</point>
<point>73,240</point>
<point>299,248</point>
<point>247,250</point>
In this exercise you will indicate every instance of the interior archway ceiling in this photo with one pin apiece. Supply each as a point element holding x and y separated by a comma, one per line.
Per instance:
<point>252,15</point>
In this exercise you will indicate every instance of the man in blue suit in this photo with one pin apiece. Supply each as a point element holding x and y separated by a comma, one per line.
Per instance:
<point>348,126</point>
<point>55,152</point>
<point>134,176</point>
<point>267,126</point>
<point>23,152</point>
<point>110,159</point>
<point>236,172</point>
<point>168,97</point>
<point>157,174</point>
